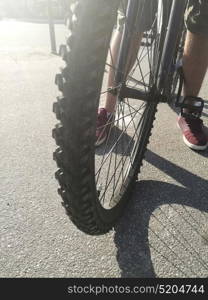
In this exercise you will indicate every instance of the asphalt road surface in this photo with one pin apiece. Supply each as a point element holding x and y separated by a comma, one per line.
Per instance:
<point>164,232</point>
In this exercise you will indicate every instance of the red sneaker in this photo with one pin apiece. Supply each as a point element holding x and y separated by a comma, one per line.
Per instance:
<point>104,124</point>
<point>193,132</point>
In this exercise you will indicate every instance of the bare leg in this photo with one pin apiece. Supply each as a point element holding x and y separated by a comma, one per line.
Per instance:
<point>195,63</point>
<point>134,48</point>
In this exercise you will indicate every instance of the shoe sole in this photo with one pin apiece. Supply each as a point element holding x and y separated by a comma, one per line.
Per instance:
<point>192,146</point>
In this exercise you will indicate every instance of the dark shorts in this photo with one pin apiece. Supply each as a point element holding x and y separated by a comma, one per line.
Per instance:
<point>196,16</point>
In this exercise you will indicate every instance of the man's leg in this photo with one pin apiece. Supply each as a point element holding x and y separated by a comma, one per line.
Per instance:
<point>106,113</point>
<point>195,63</point>
<point>134,48</point>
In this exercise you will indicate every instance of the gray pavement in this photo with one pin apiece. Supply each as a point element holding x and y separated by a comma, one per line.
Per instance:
<point>164,231</point>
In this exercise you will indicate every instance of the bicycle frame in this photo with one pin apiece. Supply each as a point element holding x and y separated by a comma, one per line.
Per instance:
<point>174,25</point>
<point>176,18</point>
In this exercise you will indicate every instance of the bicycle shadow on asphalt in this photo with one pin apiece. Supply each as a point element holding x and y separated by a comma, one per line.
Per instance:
<point>134,251</point>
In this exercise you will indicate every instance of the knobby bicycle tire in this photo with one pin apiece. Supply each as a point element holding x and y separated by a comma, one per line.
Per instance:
<point>80,84</point>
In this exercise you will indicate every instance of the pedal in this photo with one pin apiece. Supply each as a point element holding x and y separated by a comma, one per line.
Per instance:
<point>194,104</point>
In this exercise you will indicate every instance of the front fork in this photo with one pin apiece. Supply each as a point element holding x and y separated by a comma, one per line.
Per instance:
<point>156,93</point>
<point>131,16</point>
<point>121,90</point>
<point>170,44</point>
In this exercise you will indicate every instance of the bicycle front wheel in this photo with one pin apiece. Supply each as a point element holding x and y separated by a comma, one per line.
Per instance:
<point>95,184</point>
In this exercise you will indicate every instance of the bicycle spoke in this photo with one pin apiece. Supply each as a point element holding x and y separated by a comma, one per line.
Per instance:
<point>117,156</point>
<point>111,156</point>
<point>132,152</point>
<point>116,170</point>
<point>134,113</point>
